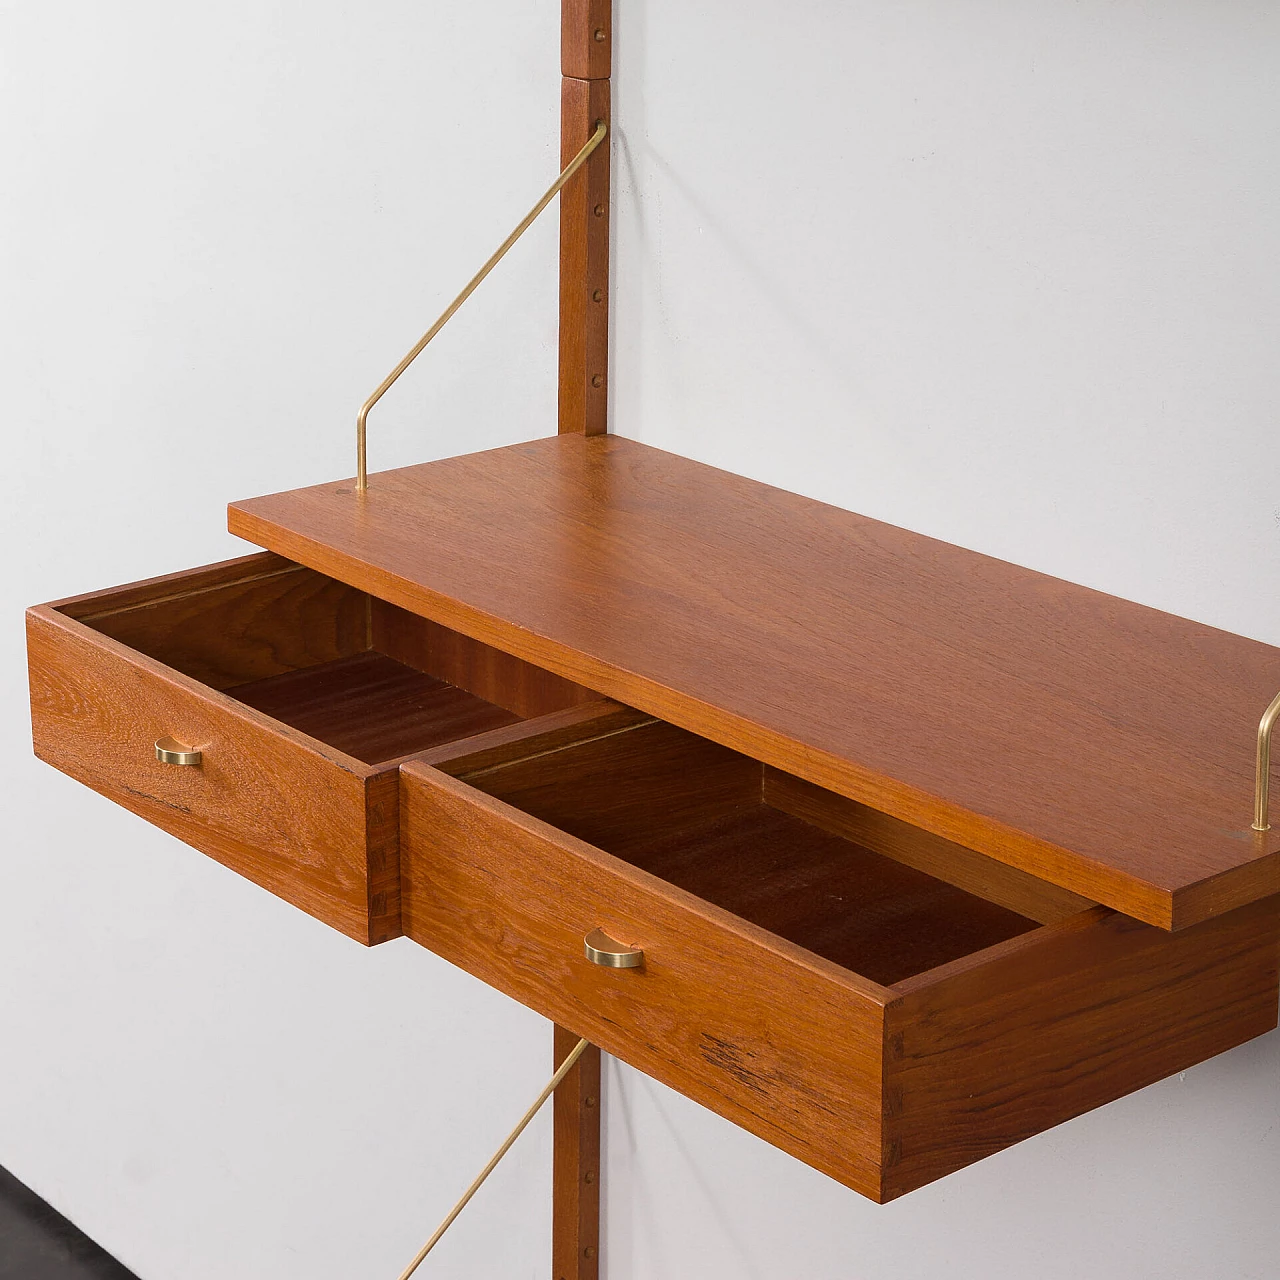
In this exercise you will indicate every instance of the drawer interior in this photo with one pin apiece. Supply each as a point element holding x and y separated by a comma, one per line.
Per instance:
<point>871,894</point>
<point>361,675</point>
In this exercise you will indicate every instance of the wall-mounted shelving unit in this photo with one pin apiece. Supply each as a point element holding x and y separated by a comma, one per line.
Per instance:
<point>892,853</point>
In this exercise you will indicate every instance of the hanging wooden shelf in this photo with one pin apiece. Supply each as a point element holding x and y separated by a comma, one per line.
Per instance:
<point>892,835</point>
<point>890,852</point>
<point>1099,745</point>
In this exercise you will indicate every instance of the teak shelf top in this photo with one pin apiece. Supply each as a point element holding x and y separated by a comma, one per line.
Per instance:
<point>1096,743</point>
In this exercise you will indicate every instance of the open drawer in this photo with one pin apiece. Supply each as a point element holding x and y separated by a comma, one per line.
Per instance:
<point>883,1004</point>
<point>258,710</point>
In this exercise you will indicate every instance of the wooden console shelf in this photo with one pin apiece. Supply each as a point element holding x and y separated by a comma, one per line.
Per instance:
<point>1097,744</point>
<point>897,835</point>
<point>890,852</point>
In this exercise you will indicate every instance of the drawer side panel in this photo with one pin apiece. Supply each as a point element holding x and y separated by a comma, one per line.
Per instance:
<point>770,1038</point>
<point>992,1050</point>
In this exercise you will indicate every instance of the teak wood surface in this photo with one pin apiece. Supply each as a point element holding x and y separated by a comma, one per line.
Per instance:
<point>274,672</point>
<point>884,1086</point>
<point>586,55</point>
<point>575,1169</point>
<point>372,707</point>
<point>694,814</point>
<point>1099,745</point>
<point>310,824</point>
<point>586,39</point>
<point>497,677</point>
<point>510,899</point>
<point>991,1049</point>
<point>584,263</point>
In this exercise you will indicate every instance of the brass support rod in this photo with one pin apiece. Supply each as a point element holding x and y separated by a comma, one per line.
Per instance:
<point>362,471</point>
<point>565,1067</point>
<point>1262,773</point>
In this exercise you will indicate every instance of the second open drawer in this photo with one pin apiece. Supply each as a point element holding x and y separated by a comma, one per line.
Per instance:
<point>886,1006</point>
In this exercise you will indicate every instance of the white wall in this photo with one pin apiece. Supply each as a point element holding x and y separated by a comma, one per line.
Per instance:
<point>1004,273</point>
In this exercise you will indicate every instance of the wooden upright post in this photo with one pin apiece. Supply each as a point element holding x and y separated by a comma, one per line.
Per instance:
<point>586,56</point>
<point>575,1181</point>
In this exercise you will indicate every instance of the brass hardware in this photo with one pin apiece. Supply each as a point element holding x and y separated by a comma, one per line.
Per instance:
<point>170,752</point>
<point>362,471</point>
<point>599,211</point>
<point>599,948</point>
<point>599,34</point>
<point>565,1067</point>
<point>597,380</point>
<point>598,296</point>
<point>1262,771</point>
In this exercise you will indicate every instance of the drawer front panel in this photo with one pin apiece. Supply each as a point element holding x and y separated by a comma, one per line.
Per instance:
<point>263,801</point>
<point>775,1039</point>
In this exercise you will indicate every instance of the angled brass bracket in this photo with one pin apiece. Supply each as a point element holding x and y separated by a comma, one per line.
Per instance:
<point>1262,775</point>
<point>362,470</point>
<point>565,1067</point>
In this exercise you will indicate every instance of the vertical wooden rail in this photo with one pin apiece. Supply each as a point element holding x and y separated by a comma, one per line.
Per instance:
<point>586,57</point>
<point>575,1179</point>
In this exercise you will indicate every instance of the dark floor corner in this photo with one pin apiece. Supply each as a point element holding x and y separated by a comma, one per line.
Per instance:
<point>38,1243</point>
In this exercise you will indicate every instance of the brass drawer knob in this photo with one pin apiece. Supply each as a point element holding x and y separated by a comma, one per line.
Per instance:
<point>170,752</point>
<point>602,949</point>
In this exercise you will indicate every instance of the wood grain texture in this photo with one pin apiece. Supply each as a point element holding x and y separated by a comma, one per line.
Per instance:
<point>529,738</point>
<point>372,707</point>
<point>777,1040</point>
<point>995,1048</point>
<point>234,622</point>
<point>622,791</point>
<point>690,813</point>
<point>382,855</point>
<point>575,1176</point>
<point>584,263</point>
<point>994,881</point>
<point>586,38</point>
<point>184,583</point>
<point>958,1062</point>
<point>265,666</point>
<point>311,825</point>
<point>868,914</point>
<point>1095,744</point>
<point>487,672</point>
